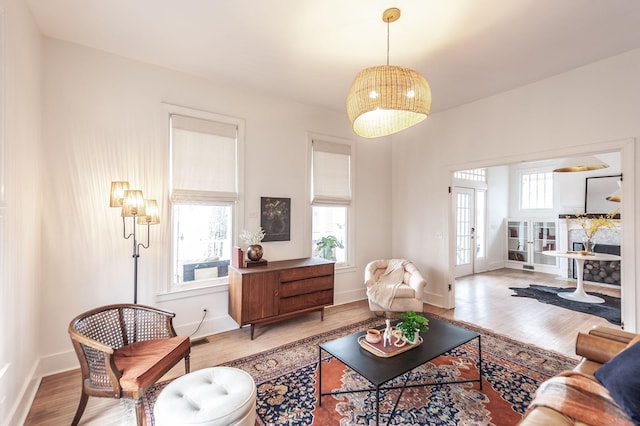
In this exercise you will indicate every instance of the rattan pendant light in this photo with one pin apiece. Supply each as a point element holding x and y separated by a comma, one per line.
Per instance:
<point>385,99</point>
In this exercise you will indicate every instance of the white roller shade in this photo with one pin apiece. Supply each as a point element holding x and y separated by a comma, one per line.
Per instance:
<point>203,159</point>
<point>331,175</point>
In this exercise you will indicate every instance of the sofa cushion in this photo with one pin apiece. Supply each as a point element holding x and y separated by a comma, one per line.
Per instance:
<point>620,377</point>
<point>142,363</point>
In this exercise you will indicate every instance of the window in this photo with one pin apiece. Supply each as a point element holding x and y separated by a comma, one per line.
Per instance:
<point>331,195</point>
<point>204,197</point>
<point>330,221</point>
<point>536,190</point>
<point>475,175</point>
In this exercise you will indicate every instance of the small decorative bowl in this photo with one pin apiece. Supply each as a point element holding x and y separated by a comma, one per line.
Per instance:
<point>373,336</point>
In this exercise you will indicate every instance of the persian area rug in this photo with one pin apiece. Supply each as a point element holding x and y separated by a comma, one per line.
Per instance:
<point>609,310</point>
<point>287,381</point>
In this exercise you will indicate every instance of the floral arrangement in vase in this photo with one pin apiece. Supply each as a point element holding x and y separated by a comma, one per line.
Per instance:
<point>591,226</point>
<point>253,240</point>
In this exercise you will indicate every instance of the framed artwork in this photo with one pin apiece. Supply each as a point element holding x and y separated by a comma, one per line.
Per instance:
<point>275,218</point>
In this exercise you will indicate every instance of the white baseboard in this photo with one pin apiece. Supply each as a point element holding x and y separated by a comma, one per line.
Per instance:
<point>434,299</point>
<point>57,363</point>
<point>349,296</point>
<point>211,326</point>
<point>20,410</point>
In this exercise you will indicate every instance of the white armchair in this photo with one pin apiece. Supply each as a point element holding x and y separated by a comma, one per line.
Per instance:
<point>400,291</point>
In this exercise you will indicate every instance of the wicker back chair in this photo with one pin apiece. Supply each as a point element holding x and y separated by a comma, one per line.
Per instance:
<point>123,350</point>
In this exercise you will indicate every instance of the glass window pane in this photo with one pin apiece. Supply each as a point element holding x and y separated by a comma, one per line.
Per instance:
<point>536,191</point>
<point>203,241</point>
<point>476,175</point>
<point>330,224</point>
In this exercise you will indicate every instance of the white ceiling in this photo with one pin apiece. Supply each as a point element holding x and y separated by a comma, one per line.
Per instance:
<point>310,50</point>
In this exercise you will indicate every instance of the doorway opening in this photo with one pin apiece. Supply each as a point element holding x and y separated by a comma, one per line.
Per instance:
<point>502,203</point>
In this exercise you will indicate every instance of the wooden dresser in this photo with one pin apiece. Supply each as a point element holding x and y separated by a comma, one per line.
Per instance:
<point>280,290</point>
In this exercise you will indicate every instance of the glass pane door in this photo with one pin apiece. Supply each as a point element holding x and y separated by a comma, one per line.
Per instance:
<point>517,240</point>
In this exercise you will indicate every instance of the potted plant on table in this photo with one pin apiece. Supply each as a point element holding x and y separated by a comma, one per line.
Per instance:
<point>411,324</point>
<point>326,246</point>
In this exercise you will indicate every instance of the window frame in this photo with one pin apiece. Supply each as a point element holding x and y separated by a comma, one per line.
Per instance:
<point>208,282</point>
<point>350,205</point>
<point>172,287</point>
<point>536,171</point>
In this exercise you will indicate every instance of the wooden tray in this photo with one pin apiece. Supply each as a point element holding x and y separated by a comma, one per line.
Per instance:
<point>378,349</point>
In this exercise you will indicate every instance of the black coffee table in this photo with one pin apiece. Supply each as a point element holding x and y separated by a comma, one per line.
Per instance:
<point>441,337</point>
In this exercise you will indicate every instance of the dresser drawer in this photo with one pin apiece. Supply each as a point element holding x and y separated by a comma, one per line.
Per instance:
<point>306,301</point>
<point>306,272</point>
<point>310,285</point>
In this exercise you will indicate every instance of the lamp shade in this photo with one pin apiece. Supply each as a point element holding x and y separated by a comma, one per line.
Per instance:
<point>152,213</point>
<point>581,164</point>
<point>117,193</point>
<point>133,203</point>
<point>616,196</point>
<point>387,99</point>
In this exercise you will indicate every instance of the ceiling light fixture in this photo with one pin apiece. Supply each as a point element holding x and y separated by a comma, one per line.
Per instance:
<point>385,99</point>
<point>616,196</point>
<point>581,164</point>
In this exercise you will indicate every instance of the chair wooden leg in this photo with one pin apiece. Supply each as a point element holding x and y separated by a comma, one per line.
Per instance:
<point>187,364</point>
<point>81,406</point>
<point>138,404</point>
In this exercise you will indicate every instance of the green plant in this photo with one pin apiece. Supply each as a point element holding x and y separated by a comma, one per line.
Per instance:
<point>325,246</point>
<point>410,323</point>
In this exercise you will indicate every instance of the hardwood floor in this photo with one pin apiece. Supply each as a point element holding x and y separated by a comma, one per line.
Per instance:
<point>485,300</point>
<point>482,299</point>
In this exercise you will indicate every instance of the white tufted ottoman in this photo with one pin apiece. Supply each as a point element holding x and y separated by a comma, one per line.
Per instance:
<point>217,396</point>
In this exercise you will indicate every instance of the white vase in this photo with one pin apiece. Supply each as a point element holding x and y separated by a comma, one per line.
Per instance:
<point>416,335</point>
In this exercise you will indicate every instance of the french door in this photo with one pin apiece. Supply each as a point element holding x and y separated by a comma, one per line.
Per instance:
<point>470,214</point>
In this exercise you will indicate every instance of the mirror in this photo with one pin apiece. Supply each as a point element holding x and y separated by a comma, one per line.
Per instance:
<point>597,190</point>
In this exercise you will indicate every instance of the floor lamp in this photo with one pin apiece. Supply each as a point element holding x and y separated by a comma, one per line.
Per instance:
<point>142,212</point>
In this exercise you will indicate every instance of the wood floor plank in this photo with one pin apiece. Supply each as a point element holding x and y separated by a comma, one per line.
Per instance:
<point>481,299</point>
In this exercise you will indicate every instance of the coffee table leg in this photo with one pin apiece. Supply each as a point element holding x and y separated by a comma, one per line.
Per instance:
<point>480,361</point>
<point>320,375</point>
<point>377,405</point>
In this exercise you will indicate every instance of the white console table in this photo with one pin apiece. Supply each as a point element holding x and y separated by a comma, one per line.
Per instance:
<point>579,295</point>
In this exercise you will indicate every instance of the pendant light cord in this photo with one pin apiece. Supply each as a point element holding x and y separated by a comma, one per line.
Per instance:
<point>388,24</point>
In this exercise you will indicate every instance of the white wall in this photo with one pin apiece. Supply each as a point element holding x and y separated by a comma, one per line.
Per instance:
<point>497,208</point>
<point>104,120</point>
<point>592,107</point>
<point>569,187</point>
<point>20,211</point>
